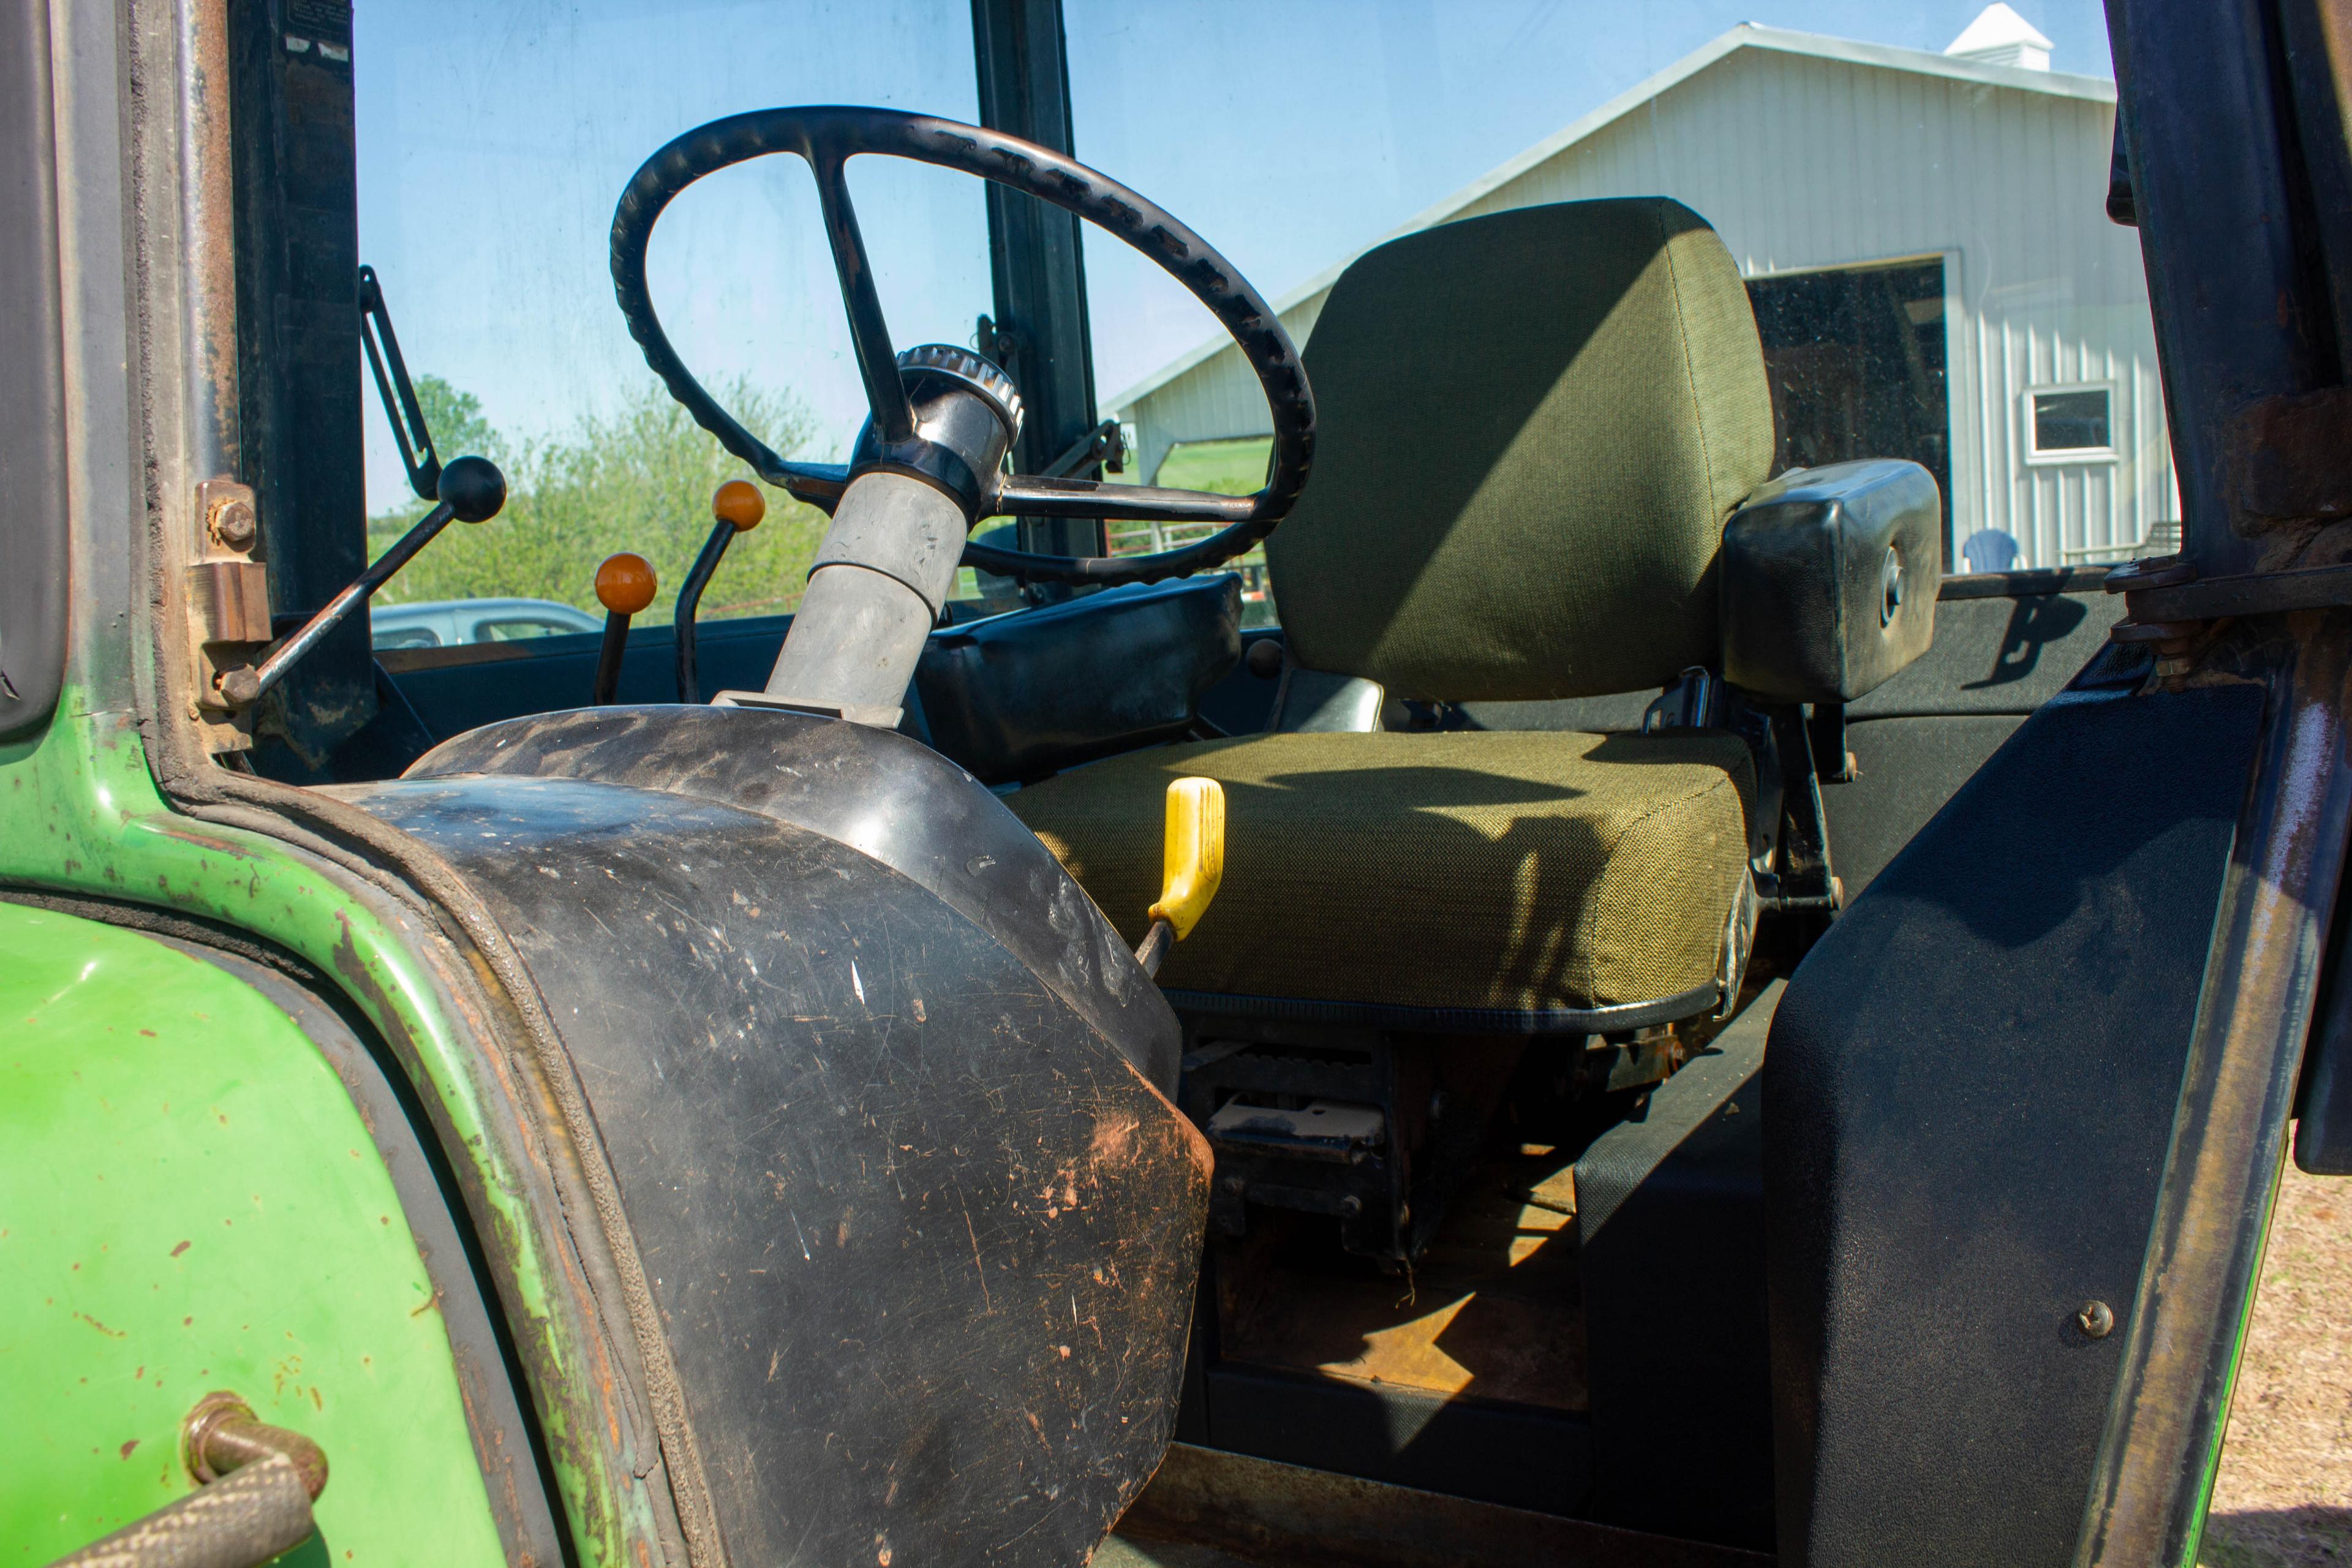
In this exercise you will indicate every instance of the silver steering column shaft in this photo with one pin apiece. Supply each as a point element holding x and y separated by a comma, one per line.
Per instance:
<point>887,564</point>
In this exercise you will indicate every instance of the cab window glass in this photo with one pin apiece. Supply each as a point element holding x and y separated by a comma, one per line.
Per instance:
<point>1914,193</point>
<point>487,174</point>
<point>522,629</point>
<point>1236,468</point>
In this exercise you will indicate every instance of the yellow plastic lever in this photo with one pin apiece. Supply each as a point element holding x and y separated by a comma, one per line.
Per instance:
<point>1194,857</point>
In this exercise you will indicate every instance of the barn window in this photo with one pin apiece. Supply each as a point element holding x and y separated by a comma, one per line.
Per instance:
<point>1856,356</point>
<point>2072,423</point>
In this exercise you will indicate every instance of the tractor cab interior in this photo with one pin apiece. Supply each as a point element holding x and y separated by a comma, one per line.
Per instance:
<point>1569,654</point>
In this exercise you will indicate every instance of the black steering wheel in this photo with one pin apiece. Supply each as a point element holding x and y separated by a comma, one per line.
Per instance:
<point>828,138</point>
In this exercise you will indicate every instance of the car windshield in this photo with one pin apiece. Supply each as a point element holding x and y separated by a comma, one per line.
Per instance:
<point>1913,193</point>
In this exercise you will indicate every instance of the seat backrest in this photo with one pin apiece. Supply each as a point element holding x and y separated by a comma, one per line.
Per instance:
<point>1532,426</point>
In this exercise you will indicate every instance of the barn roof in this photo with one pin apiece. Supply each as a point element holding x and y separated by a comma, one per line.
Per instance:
<point>1747,35</point>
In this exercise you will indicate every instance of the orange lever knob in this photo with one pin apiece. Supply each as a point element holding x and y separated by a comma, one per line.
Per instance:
<point>625,583</point>
<point>738,502</point>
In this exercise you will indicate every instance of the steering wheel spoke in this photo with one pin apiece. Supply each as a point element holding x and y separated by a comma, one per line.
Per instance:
<point>1026,495</point>
<point>827,137</point>
<point>870,334</point>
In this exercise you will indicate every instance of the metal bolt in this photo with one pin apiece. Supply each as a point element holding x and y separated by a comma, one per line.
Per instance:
<point>1352,1205</point>
<point>239,688</point>
<point>234,524</point>
<point>2098,1320</point>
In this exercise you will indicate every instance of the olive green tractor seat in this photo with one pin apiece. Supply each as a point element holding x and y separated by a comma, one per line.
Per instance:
<point>1526,873</point>
<point>1531,429</point>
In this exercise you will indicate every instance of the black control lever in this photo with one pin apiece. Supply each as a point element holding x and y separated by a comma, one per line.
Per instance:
<point>400,404</point>
<point>624,584</point>
<point>471,490</point>
<point>1103,444</point>
<point>737,508</point>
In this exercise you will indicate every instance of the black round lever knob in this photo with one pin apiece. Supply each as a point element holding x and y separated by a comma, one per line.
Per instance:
<point>472,488</point>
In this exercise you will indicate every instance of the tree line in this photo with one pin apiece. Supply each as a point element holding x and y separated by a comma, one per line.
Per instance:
<point>639,479</point>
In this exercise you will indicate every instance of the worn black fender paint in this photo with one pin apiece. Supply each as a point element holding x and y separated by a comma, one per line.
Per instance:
<point>921,1236</point>
<point>1967,1096</point>
<point>877,791</point>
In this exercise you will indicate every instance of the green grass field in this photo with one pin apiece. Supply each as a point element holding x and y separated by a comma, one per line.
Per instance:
<point>1228,468</point>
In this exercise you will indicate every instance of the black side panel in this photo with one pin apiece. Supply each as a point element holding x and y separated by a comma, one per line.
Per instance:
<point>1999,653</point>
<point>1670,1236</point>
<point>1968,1093</point>
<point>33,589</point>
<point>1507,1453</point>
<point>1905,769</point>
<point>299,344</point>
<point>922,1245</point>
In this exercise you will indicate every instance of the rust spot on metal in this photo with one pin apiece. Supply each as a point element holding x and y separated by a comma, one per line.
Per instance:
<point>2286,459</point>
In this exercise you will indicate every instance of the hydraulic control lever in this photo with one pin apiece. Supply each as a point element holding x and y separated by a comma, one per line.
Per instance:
<point>1192,864</point>
<point>624,584</point>
<point>400,404</point>
<point>737,508</point>
<point>471,490</point>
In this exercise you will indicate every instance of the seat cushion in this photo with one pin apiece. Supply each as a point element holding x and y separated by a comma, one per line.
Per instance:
<point>1515,872</point>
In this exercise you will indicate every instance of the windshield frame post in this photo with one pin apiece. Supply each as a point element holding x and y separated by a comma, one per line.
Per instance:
<point>1036,257</point>
<point>2237,267</point>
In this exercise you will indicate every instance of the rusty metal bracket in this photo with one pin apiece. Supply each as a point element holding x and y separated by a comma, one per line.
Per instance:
<point>228,589</point>
<point>2254,593</point>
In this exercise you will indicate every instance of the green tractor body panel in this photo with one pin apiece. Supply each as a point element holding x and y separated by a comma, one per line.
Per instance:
<point>192,1203</point>
<point>80,814</point>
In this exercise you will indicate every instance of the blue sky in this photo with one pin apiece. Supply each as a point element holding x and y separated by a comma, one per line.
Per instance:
<point>495,136</point>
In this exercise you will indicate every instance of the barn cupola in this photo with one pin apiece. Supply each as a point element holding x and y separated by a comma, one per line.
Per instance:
<point>1999,36</point>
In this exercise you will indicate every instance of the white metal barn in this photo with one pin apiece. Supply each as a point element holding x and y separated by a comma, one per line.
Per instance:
<point>1968,188</point>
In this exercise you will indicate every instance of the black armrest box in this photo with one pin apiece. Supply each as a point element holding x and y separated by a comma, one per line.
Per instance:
<point>1018,696</point>
<point>1829,578</point>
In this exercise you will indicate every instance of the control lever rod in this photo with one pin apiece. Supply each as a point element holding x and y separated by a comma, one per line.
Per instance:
<point>737,508</point>
<point>400,404</point>
<point>624,584</point>
<point>471,490</point>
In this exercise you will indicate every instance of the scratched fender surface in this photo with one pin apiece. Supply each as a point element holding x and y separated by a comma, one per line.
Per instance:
<point>922,1237</point>
<point>875,790</point>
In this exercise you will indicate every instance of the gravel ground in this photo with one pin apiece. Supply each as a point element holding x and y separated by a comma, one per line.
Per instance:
<point>2284,1497</point>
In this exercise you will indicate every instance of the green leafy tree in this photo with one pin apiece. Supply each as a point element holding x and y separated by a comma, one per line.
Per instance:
<point>640,479</point>
<point>455,419</point>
